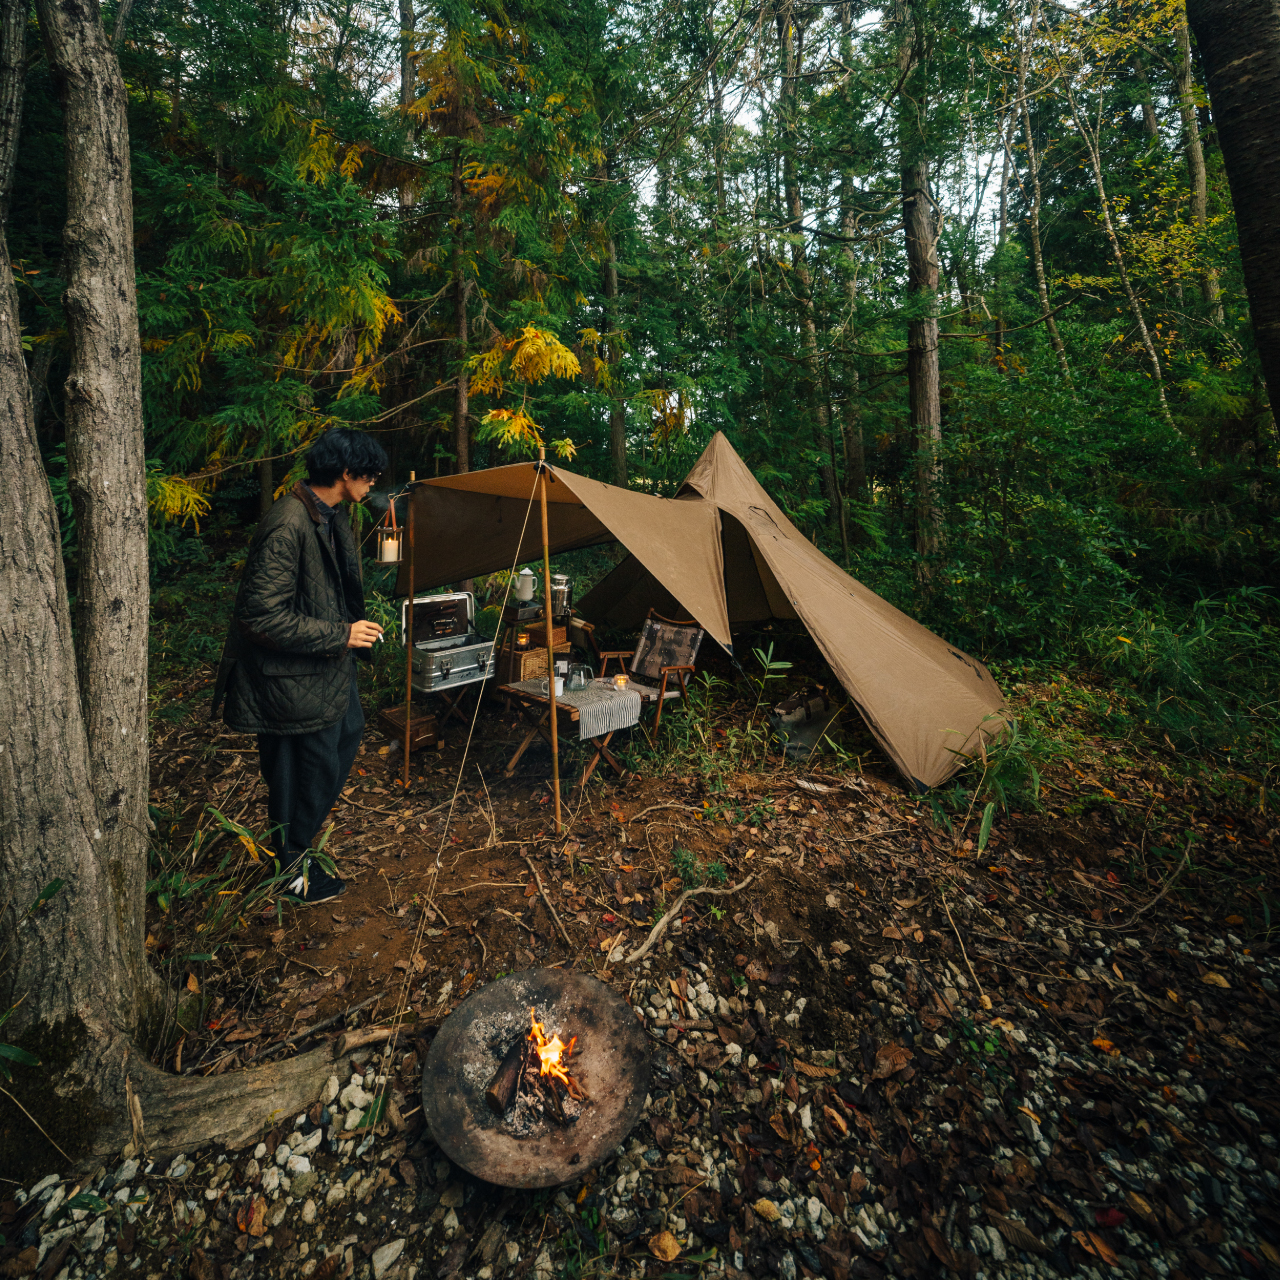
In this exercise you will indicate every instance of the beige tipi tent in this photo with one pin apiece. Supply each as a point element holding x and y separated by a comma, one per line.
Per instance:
<point>723,552</point>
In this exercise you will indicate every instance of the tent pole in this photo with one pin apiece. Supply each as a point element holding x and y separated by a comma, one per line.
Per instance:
<point>408,643</point>
<point>551,648</point>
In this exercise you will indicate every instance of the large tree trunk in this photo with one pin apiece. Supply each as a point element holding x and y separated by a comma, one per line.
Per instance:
<point>1239,42</point>
<point>106,463</point>
<point>1193,149</point>
<point>73,769</point>
<point>791,58</point>
<point>924,386</point>
<point>13,58</point>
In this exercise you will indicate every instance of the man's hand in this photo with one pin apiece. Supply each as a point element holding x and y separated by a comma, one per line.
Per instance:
<point>363,634</point>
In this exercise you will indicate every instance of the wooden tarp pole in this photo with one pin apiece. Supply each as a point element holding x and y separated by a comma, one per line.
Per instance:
<point>551,648</point>
<point>408,642</point>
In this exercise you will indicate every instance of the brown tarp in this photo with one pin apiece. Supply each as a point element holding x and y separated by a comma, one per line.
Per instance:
<point>722,552</point>
<point>473,523</point>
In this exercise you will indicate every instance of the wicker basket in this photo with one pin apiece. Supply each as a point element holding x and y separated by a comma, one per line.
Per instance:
<point>525,664</point>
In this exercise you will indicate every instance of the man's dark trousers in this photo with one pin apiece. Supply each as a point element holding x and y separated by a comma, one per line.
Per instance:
<point>305,774</point>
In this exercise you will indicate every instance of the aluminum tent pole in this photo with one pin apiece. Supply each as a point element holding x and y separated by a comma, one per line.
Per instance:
<point>551,648</point>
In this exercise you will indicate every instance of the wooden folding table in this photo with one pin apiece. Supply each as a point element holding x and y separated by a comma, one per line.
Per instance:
<point>535,708</point>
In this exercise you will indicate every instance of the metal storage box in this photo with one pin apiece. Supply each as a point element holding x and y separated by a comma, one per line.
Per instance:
<point>447,650</point>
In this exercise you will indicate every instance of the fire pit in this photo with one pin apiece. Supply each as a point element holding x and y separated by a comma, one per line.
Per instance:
<point>536,1111</point>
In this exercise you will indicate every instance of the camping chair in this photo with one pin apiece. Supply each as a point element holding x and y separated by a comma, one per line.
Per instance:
<point>665,648</point>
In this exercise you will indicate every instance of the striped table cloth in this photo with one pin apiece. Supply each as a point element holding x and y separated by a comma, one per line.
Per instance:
<point>601,707</point>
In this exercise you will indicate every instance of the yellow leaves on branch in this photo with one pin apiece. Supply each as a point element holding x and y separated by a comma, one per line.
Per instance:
<point>174,498</point>
<point>529,358</point>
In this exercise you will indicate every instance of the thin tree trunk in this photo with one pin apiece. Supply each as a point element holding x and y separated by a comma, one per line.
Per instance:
<point>106,459</point>
<point>617,407</point>
<point>1002,234</point>
<point>1090,139</point>
<point>924,386</point>
<point>461,289</point>
<point>1198,179</point>
<point>1033,172</point>
<point>791,59</point>
<point>1239,43</point>
<point>266,486</point>
<point>1150,126</point>
<point>408,90</point>
<point>855,457</point>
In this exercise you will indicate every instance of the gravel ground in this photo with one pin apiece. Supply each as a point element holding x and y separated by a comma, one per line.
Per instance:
<point>934,1136</point>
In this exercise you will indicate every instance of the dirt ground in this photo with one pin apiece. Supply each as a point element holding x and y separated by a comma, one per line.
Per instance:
<point>883,1051</point>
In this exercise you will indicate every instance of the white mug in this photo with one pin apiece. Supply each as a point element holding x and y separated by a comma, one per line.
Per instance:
<point>559,685</point>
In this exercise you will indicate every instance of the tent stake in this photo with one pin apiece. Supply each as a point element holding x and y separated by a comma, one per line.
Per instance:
<point>408,643</point>
<point>551,648</point>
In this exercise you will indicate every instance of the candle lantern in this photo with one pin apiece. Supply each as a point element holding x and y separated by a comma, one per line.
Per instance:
<point>522,640</point>
<point>620,680</point>
<point>390,537</point>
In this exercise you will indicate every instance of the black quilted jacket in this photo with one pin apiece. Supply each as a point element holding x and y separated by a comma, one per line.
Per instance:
<point>285,666</point>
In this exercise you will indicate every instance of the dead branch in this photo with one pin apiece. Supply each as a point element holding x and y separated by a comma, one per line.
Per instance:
<point>658,928</point>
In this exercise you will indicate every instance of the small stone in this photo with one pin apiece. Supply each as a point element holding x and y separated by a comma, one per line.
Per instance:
<point>283,1153</point>
<point>271,1180</point>
<point>542,1267</point>
<point>354,1098</point>
<point>252,1171</point>
<point>450,1224</point>
<point>1030,1130</point>
<point>94,1237</point>
<point>55,1200</point>
<point>513,1253</point>
<point>128,1171</point>
<point>305,1146</point>
<point>451,1196</point>
<point>330,1091</point>
<point>998,1252</point>
<point>813,1207</point>
<point>352,1120</point>
<point>787,1266</point>
<point>297,1165</point>
<point>303,1184</point>
<point>309,1209</point>
<point>386,1257</point>
<point>879,971</point>
<point>335,1195</point>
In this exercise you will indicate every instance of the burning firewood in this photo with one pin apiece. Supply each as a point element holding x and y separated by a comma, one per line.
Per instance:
<point>549,1055</point>
<point>505,1084</point>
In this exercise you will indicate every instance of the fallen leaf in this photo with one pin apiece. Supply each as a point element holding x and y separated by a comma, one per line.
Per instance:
<point>905,903</point>
<point>1018,1233</point>
<point>244,1033</point>
<point>1110,1217</point>
<point>1140,1207</point>
<point>192,984</point>
<point>890,1058</point>
<point>837,1120</point>
<point>1215,980</point>
<point>251,1216</point>
<point>1094,1244</point>
<point>814,1073</point>
<point>756,971</point>
<point>664,1246</point>
<point>767,1210</point>
<point>1026,1111</point>
<point>1003,1023</point>
<point>1106,1046</point>
<point>1235,920</point>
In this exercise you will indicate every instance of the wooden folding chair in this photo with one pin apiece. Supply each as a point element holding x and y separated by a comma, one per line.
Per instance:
<point>667,647</point>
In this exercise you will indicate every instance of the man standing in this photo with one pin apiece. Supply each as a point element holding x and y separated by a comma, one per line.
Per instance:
<point>288,669</point>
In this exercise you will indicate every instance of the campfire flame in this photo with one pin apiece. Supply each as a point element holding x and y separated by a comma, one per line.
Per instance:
<point>551,1052</point>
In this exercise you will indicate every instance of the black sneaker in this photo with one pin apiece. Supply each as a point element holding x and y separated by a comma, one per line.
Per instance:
<point>313,885</point>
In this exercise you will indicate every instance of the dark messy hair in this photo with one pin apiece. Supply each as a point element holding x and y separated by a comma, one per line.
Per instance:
<point>341,450</point>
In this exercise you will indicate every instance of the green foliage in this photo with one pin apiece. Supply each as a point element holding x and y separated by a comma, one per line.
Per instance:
<point>693,872</point>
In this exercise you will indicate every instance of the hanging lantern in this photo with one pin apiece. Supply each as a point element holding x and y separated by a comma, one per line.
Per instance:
<point>390,537</point>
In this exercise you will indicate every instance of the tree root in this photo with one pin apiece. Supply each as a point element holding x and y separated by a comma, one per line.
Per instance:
<point>658,928</point>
